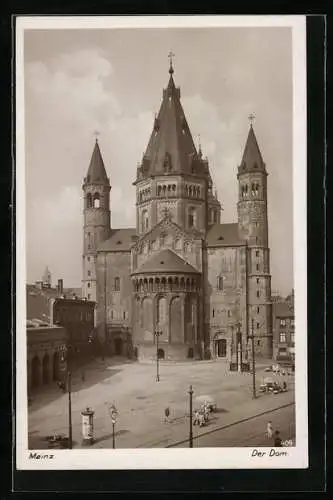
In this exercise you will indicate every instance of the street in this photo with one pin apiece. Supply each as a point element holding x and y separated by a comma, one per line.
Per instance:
<point>250,433</point>
<point>141,401</point>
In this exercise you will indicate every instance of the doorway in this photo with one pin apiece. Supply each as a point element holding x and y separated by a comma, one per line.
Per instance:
<point>190,353</point>
<point>118,347</point>
<point>35,372</point>
<point>221,348</point>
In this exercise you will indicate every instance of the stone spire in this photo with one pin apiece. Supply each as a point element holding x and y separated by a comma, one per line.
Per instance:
<point>252,160</point>
<point>96,171</point>
<point>171,148</point>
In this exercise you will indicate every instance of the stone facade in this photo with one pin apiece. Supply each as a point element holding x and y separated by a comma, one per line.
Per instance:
<point>284,331</point>
<point>45,346</point>
<point>200,284</point>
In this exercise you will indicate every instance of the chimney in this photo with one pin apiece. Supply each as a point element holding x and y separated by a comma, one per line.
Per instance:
<point>60,287</point>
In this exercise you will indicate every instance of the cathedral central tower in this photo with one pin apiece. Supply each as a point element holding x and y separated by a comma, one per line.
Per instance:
<point>173,179</point>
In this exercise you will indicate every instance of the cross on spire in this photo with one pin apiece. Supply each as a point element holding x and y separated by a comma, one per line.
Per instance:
<point>96,134</point>
<point>199,145</point>
<point>170,56</point>
<point>251,118</point>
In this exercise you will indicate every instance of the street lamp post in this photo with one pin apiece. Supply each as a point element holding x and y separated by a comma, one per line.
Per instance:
<point>158,333</point>
<point>66,354</point>
<point>113,414</point>
<point>191,417</point>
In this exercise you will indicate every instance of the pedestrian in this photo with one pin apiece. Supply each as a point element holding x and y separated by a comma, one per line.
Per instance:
<point>166,414</point>
<point>269,430</point>
<point>277,439</point>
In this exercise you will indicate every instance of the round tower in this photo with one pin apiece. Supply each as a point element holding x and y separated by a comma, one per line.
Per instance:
<point>96,212</point>
<point>253,228</point>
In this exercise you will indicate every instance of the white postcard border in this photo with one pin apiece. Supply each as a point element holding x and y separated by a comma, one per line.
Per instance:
<point>211,458</point>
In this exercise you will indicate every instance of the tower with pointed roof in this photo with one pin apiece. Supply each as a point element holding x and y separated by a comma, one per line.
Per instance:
<point>253,229</point>
<point>173,176</point>
<point>96,212</point>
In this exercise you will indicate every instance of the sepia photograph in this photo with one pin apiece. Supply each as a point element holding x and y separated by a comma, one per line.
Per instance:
<point>161,283</point>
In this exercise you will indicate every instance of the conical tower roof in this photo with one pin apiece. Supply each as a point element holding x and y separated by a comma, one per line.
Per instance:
<point>171,148</point>
<point>252,159</point>
<point>96,171</point>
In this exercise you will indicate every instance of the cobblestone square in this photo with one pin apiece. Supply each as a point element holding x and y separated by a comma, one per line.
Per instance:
<point>141,401</point>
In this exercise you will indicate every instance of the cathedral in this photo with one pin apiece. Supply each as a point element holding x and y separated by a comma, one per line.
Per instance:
<point>181,284</point>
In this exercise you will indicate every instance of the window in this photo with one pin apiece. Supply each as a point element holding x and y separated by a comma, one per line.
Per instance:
<point>97,201</point>
<point>282,338</point>
<point>124,315</point>
<point>292,322</point>
<point>220,283</point>
<point>144,220</point>
<point>111,314</point>
<point>282,322</point>
<point>258,293</point>
<point>258,310</point>
<point>229,313</point>
<point>117,284</point>
<point>292,338</point>
<point>213,313</point>
<point>88,259</point>
<point>89,273</point>
<point>88,285</point>
<point>192,217</point>
<point>257,253</point>
<point>258,343</point>
<point>258,325</point>
<point>257,281</point>
<point>89,200</point>
<point>88,296</point>
<point>257,266</point>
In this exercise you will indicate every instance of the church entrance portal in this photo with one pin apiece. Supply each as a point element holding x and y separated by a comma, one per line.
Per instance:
<point>118,347</point>
<point>160,354</point>
<point>221,348</point>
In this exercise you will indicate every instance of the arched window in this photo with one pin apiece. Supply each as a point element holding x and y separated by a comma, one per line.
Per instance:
<point>192,217</point>
<point>117,284</point>
<point>145,220</point>
<point>89,200</point>
<point>161,311</point>
<point>97,201</point>
<point>159,190</point>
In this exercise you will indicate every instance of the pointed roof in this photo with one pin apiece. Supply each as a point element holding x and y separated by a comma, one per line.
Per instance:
<point>96,171</point>
<point>224,235</point>
<point>166,261</point>
<point>252,159</point>
<point>171,148</point>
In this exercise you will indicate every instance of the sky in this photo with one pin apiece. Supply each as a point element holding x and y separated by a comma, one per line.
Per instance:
<point>80,81</point>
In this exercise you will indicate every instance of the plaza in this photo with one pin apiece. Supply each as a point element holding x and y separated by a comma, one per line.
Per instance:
<point>141,401</point>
